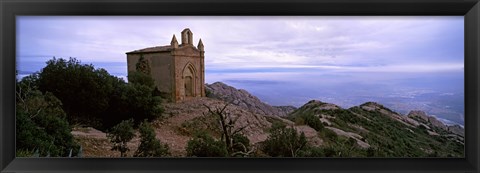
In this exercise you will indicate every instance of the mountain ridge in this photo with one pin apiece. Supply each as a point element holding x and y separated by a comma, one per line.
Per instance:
<point>367,130</point>
<point>243,98</point>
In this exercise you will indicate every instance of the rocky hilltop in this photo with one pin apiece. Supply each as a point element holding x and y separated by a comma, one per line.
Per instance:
<point>243,98</point>
<point>372,125</point>
<point>182,120</point>
<point>367,130</point>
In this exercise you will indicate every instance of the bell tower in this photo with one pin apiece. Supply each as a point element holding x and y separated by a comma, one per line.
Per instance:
<point>187,37</point>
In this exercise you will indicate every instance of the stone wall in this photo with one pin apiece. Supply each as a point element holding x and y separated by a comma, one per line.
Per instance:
<point>161,65</point>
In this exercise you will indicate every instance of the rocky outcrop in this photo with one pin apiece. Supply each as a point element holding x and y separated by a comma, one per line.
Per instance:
<point>437,123</point>
<point>373,106</point>
<point>315,107</point>
<point>419,115</point>
<point>183,119</point>
<point>456,129</point>
<point>243,99</point>
<point>427,119</point>
<point>286,109</point>
<point>431,121</point>
<point>192,109</point>
<point>355,136</point>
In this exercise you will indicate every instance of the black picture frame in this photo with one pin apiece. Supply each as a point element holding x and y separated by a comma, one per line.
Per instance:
<point>470,9</point>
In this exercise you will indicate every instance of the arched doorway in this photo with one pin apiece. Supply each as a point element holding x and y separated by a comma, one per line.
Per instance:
<point>189,80</point>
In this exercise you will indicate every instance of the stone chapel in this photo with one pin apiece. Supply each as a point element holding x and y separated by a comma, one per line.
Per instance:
<point>178,69</point>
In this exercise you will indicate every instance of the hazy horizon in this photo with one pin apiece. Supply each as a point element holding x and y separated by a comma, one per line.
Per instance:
<point>404,63</point>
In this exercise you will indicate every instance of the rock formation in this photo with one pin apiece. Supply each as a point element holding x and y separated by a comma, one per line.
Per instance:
<point>244,99</point>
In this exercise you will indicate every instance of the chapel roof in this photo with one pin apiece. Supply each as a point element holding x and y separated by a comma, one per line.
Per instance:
<point>166,48</point>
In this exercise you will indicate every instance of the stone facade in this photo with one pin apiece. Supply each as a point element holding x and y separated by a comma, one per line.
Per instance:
<point>178,69</point>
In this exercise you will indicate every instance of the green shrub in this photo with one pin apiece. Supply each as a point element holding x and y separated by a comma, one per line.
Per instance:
<point>150,146</point>
<point>120,135</point>
<point>329,152</point>
<point>83,90</point>
<point>133,101</point>
<point>24,153</point>
<point>241,144</point>
<point>95,98</point>
<point>299,121</point>
<point>207,124</point>
<point>41,123</point>
<point>284,142</point>
<point>312,152</point>
<point>371,152</point>
<point>313,121</point>
<point>209,93</point>
<point>330,135</point>
<point>203,145</point>
<point>141,79</point>
<point>308,119</point>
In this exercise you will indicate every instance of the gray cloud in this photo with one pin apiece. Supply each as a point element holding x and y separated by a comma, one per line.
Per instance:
<point>327,44</point>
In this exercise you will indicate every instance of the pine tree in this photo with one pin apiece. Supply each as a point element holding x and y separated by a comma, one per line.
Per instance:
<point>120,135</point>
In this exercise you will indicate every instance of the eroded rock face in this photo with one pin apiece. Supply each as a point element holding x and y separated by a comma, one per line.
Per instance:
<point>434,122</point>
<point>431,120</point>
<point>437,123</point>
<point>355,136</point>
<point>286,109</point>
<point>244,99</point>
<point>456,129</point>
<point>180,114</point>
<point>373,106</point>
<point>419,114</point>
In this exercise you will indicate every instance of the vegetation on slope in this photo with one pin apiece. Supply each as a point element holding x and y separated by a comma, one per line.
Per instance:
<point>386,136</point>
<point>68,92</point>
<point>93,97</point>
<point>42,128</point>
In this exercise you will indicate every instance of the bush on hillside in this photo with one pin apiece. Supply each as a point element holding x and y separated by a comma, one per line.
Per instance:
<point>41,123</point>
<point>95,98</point>
<point>120,135</point>
<point>203,145</point>
<point>284,142</point>
<point>309,120</point>
<point>150,146</point>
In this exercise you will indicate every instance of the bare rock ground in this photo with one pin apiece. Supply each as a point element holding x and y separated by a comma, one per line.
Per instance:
<point>169,129</point>
<point>95,143</point>
<point>355,136</point>
<point>243,98</point>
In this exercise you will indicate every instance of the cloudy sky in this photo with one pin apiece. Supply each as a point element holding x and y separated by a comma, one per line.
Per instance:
<point>310,53</point>
<point>354,44</point>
